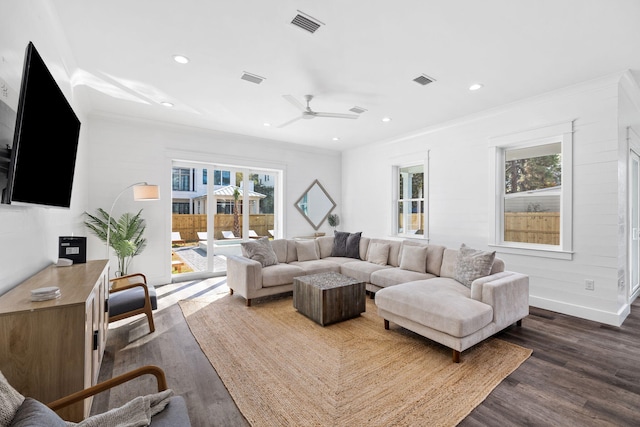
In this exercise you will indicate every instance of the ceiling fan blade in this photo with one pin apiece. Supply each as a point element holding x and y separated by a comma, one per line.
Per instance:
<point>336,115</point>
<point>290,121</point>
<point>294,102</point>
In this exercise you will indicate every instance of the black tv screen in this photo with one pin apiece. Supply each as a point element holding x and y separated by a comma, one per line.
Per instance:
<point>45,142</point>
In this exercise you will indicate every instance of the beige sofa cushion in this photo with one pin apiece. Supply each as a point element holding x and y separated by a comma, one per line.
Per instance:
<point>307,250</point>
<point>280,274</point>
<point>317,266</point>
<point>395,276</point>
<point>325,245</point>
<point>378,253</point>
<point>361,270</point>
<point>414,258</point>
<point>394,250</point>
<point>292,253</point>
<point>280,248</point>
<point>441,304</point>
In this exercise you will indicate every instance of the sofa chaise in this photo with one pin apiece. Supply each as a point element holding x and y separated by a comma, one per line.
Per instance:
<point>457,297</point>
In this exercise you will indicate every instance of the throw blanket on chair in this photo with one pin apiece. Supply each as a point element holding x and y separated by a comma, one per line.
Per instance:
<point>136,413</point>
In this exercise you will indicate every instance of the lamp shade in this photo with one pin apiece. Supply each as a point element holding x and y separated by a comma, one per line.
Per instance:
<point>146,192</point>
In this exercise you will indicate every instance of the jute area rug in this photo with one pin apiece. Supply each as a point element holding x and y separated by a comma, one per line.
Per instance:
<point>282,369</point>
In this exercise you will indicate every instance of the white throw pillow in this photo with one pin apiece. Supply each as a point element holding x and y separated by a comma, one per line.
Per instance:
<point>378,253</point>
<point>414,258</point>
<point>306,250</point>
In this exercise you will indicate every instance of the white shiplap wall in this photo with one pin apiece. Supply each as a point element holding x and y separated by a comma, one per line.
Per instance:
<point>459,192</point>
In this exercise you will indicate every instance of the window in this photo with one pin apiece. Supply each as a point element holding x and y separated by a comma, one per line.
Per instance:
<point>533,190</point>
<point>180,207</point>
<point>181,180</point>
<point>221,177</point>
<point>410,205</point>
<point>204,177</point>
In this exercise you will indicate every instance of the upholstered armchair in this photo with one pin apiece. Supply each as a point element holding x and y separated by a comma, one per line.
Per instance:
<point>162,409</point>
<point>131,295</point>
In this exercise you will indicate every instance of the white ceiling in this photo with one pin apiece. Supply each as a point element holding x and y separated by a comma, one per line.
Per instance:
<point>366,54</point>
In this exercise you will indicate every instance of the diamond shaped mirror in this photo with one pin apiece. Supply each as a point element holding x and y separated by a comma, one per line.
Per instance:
<point>315,204</point>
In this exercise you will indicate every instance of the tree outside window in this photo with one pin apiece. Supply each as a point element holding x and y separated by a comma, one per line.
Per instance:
<point>532,194</point>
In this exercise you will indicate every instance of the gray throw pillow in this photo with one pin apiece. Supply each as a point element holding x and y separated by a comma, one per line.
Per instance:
<point>472,264</point>
<point>260,250</point>
<point>33,413</point>
<point>353,245</point>
<point>339,243</point>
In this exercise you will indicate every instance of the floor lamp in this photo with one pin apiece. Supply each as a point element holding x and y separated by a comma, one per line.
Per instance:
<point>141,192</point>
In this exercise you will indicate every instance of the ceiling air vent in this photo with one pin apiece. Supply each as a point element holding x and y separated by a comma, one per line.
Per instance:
<point>253,78</point>
<point>424,80</point>
<point>306,22</point>
<point>357,110</point>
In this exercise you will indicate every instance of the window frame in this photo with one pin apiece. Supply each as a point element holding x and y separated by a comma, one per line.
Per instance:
<point>562,133</point>
<point>396,198</point>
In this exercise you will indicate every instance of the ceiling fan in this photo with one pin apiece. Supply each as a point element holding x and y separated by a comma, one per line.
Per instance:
<point>308,113</point>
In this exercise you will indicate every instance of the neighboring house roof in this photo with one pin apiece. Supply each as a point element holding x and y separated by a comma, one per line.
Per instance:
<point>227,192</point>
<point>538,192</point>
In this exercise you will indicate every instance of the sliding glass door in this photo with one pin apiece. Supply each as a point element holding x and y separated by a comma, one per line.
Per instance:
<point>215,208</point>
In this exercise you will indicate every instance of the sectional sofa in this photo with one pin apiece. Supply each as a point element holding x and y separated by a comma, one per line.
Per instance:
<point>457,297</point>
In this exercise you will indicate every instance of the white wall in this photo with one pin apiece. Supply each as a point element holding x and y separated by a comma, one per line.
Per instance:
<point>124,151</point>
<point>29,235</point>
<point>459,192</point>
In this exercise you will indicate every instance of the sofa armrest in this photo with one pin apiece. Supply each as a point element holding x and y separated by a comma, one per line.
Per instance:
<point>507,292</point>
<point>243,274</point>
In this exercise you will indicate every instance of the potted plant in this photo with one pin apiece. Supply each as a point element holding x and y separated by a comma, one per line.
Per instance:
<point>125,235</point>
<point>334,221</point>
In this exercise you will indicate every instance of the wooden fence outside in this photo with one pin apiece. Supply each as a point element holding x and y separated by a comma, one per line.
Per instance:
<point>188,225</point>
<point>532,227</point>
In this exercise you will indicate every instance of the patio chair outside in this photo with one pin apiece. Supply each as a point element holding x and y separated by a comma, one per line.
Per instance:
<point>229,235</point>
<point>176,239</point>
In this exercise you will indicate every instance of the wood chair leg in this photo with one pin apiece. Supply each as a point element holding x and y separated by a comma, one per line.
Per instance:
<point>386,324</point>
<point>456,356</point>
<point>248,302</point>
<point>519,322</point>
<point>149,313</point>
<point>230,291</point>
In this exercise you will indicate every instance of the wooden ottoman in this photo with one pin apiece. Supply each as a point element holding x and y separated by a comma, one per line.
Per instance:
<point>328,298</point>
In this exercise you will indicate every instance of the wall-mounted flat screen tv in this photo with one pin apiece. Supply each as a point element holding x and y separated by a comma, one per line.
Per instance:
<point>45,142</point>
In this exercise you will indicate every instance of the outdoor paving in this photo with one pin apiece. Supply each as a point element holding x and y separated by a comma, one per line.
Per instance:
<point>196,258</point>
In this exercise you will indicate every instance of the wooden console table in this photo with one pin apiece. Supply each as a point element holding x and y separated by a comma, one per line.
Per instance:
<point>50,349</point>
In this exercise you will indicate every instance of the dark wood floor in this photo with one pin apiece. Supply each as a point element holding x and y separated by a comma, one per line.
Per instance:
<point>581,373</point>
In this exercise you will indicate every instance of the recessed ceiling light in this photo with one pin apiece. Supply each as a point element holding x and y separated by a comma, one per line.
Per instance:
<point>335,138</point>
<point>181,59</point>
<point>386,119</point>
<point>475,86</point>
<point>266,124</point>
<point>166,104</point>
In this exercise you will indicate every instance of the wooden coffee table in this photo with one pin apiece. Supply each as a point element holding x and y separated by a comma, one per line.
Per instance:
<point>328,298</point>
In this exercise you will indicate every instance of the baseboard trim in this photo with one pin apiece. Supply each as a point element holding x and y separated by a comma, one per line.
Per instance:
<point>589,313</point>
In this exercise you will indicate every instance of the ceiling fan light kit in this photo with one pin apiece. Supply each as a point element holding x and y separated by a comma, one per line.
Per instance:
<point>308,113</point>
